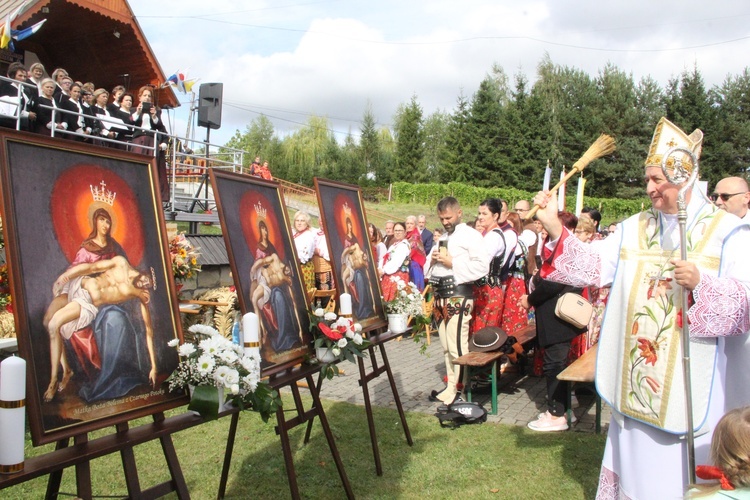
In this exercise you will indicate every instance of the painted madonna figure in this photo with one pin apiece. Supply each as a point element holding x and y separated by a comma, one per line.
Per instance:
<point>638,370</point>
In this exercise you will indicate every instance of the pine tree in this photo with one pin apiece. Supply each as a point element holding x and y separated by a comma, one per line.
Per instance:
<point>369,146</point>
<point>457,165</point>
<point>484,134</point>
<point>410,165</point>
<point>435,131</point>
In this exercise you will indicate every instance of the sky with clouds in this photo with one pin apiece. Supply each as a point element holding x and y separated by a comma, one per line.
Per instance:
<point>290,59</point>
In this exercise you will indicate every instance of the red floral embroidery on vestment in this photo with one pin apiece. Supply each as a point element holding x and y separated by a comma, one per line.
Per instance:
<point>648,350</point>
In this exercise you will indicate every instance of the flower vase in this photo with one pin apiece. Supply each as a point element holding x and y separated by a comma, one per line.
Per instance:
<point>179,286</point>
<point>208,402</point>
<point>325,354</point>
<point>398,323</point>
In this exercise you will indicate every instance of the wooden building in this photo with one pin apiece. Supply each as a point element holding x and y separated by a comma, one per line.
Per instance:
<point>93,40</point>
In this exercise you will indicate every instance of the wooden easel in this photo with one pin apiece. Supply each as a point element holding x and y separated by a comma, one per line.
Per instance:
<point>123,440</point>
<point>289,378</point>
<point>377,340</point>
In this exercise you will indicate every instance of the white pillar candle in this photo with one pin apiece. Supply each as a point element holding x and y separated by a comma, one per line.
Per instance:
<point>251,335</point>
<point>547,177</point>
<point>345,304</point>
<point>12,414</point>
<point>579,195</point>
<point>561,193</point>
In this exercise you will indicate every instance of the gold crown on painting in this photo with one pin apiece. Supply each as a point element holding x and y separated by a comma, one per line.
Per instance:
<point>103,194</point>
<point>347,210</point>
<point>667,135</point>
<point>262,212</point>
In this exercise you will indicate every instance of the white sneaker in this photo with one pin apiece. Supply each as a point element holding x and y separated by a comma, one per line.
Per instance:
<point>573,418</point>
<point>549,423</point>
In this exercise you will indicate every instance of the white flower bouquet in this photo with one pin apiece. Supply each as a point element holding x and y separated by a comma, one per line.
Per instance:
<point>212,363</point>
<point>338,335</point>
<point>408,299</point>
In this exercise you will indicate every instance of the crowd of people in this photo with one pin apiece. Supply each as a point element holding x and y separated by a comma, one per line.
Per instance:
<point>60,106</point>
<point>94,114</point>
<point>488,275</point>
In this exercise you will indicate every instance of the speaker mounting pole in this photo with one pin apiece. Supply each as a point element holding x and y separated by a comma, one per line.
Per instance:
<point>209,116</point>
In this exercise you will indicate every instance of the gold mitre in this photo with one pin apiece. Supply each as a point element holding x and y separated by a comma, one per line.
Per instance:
<point>667,136</point>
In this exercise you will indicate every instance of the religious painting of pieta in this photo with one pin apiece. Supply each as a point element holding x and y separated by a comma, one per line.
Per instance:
<point>343,219</point>
<point>264,266</point>
<point>92,290</point>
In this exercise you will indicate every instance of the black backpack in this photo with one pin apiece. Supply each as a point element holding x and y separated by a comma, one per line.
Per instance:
<point>461,412</point>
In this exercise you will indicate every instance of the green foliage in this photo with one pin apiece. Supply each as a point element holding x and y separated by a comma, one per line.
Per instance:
<point>410,143</point>
<point>457,164</point>
<point>369,144</point>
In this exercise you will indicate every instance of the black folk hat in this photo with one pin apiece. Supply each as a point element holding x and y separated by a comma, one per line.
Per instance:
<point>489,338</point>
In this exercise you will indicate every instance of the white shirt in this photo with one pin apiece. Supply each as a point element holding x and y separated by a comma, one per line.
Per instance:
<point>494,243</point>
<point>305,243</point>
<point>470,259</point>
<point>321,245</point>
<point>396,256</point>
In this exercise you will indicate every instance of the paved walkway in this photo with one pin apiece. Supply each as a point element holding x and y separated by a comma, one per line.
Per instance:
<point>520,398</point>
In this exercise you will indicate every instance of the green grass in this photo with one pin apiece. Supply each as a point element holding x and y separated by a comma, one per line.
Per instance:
<point>474,461</point>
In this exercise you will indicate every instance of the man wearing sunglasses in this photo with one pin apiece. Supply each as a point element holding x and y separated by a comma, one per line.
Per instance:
<point>732,194</point>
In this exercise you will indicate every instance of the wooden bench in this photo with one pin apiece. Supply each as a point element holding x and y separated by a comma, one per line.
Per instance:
<point>583,370</point>
<point>483,362</point>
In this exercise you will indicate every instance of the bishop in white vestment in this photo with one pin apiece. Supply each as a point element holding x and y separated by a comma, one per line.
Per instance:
<point>639,371</point>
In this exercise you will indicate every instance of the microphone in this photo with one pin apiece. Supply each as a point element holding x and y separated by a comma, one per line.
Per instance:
<point>124,75</point>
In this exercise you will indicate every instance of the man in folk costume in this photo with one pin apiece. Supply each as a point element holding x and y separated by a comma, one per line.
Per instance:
<point>638,370</point>
<point>453,268</point>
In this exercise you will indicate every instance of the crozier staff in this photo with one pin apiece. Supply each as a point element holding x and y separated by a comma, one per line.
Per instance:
<point>456,262</point>
<point>638,372</point>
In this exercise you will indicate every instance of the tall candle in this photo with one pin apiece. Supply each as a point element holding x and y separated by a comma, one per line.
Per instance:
<point>547,177</point>
<point>12,414</point>
<point>579,195</point>
<point>345,304</point>
<point>250,334</point>
<point>561,193</point>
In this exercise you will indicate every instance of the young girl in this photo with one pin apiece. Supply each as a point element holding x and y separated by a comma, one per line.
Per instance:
<point>730,452</point>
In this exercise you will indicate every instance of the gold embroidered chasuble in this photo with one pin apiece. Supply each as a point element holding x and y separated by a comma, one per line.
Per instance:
<point>640,372</point>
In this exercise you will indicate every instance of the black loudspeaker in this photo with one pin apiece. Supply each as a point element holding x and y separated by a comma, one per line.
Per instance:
<point>209,105</point>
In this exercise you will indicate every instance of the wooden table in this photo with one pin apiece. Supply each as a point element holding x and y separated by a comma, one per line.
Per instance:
<point>583,370</point>
<point>194,306</point>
